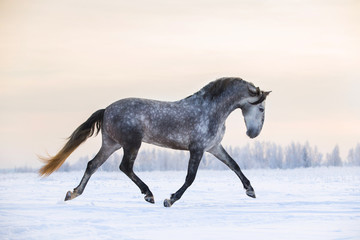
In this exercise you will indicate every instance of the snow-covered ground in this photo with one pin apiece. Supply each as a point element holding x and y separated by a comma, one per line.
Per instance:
<point>314,203</point>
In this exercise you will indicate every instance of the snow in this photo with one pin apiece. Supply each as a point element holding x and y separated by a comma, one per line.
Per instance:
<point>307,203</point>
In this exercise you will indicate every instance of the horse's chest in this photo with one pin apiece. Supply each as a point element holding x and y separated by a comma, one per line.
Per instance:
<point>214,138</point>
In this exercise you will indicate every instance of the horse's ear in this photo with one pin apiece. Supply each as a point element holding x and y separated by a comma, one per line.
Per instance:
<point>267,93</point>
<point>254,91</point>
<point>262,98</point>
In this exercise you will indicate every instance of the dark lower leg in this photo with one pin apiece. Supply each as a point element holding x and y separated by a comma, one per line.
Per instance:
<point>246,183</point>
<point>178,194</point>
<point>126,166</point>
<point>141,185</point>
<point>190,177</point>
<point>92,166</point>
<point>223,156</point>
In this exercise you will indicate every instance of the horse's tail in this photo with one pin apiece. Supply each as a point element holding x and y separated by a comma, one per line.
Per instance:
<point>84,131</point>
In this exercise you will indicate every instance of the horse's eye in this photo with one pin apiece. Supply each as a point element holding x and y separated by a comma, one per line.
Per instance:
<point>261,109</point>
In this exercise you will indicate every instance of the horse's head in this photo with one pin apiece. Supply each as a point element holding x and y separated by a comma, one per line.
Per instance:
<point>253,110</point>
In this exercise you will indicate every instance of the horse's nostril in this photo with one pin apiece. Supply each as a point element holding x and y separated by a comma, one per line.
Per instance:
<point>252,133</point>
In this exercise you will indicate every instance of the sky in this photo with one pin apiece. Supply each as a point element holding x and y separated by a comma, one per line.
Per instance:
<point>60,61</point>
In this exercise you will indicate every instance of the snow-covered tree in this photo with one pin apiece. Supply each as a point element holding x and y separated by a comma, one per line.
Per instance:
<point>293,156</point>
<point>112,164</point>
<point>334,159</point>
<point>354,156</point>
<point>316,157</point>
<point>256,155</point>
<point>81,164</point>
<point>274,156</point>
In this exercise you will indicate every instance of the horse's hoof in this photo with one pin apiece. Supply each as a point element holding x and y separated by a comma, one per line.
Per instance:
<point>71,195</point>
<point>68,196</point>
<point>149,199</point>
<point>251,193</point>
<point>167,203</point>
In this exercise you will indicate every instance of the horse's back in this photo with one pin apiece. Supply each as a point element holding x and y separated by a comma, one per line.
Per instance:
<point>155,122</point>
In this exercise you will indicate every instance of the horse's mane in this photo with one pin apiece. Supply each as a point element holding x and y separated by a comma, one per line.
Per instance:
<point>217,87</point>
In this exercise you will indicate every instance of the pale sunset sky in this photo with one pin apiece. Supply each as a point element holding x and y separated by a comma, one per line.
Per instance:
<point>60,61</point>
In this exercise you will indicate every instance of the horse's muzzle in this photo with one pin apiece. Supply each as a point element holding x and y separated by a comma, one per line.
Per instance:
<point>252,133</point>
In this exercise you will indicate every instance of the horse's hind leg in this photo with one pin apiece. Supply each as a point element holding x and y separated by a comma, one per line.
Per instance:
<point>107,148</point>
<point>223,156</point>
<point>127,165</point>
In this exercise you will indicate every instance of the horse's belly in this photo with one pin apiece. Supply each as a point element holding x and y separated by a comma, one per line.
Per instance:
<point>173,141</point>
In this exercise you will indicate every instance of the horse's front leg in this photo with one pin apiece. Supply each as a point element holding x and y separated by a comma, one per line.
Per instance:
<point>220,153</point>
<point>195,158</point>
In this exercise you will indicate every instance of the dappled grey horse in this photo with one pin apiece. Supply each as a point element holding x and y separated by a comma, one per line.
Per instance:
<point>196,124</point>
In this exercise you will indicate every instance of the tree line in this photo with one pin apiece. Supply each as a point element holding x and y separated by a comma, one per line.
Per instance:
<point>257,155</point>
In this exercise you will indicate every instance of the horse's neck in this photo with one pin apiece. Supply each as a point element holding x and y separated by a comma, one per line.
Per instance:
<point>220,107</point>
<point>225,106</point>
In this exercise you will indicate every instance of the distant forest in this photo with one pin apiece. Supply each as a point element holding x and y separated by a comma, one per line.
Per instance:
<point>258,155</point>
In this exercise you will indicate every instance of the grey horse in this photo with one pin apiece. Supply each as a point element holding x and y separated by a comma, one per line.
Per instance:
<point>195,124</point>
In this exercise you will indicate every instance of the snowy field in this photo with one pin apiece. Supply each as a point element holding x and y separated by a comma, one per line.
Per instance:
<point>314,203</point>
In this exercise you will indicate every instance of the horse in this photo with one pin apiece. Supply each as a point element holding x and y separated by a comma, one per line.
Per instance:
<point>195,124</point>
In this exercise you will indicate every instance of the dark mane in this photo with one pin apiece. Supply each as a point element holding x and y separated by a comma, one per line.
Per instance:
<point>217,87</point>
